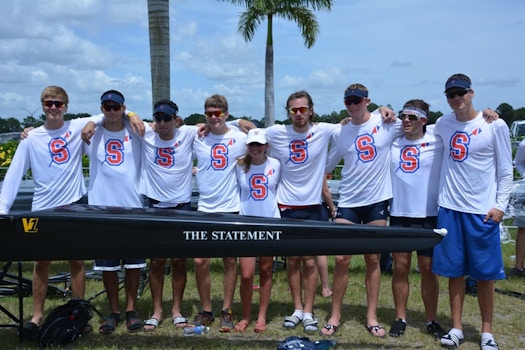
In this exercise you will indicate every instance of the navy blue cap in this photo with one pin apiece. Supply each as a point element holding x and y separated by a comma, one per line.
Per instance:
<point>165,109</point>
<point>110,96</point>
<point>356,92</point>
<point>457,83</point>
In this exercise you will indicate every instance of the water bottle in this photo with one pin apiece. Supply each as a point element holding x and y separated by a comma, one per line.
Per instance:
<point>197,330</point>
<point>324,344</point>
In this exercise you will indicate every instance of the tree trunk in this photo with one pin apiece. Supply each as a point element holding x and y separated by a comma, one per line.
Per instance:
<point>269,98</point>
<point>159,42</point>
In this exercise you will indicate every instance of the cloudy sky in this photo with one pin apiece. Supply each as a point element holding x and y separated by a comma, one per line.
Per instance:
<point>400,50</point>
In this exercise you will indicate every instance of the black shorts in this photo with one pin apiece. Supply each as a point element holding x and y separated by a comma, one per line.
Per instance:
<point>428,222</point>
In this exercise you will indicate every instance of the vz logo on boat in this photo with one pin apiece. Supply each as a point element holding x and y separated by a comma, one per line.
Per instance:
<point>30,225</point>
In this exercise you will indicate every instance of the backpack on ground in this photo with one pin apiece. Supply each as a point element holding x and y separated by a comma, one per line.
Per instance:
<point>65,323</point>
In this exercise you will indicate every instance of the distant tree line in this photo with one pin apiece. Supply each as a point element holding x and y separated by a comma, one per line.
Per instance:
<point>506,112</point>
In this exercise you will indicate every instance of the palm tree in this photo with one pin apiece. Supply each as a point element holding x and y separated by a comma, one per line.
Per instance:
<point>159,42</point>
<point>293,10</point>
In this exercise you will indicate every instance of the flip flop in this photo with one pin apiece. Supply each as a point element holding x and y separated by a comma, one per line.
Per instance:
<point>330,330</point>
<point>241,326</point>
<point>374,330</point>
<point>179,321</point>
<point>151,324</point>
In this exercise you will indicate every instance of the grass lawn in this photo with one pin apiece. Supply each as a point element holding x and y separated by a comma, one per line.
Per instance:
<point>509,327</point>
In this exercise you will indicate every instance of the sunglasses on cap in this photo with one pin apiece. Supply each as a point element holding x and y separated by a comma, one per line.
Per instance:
<point>410,117</point>
<point>108,107</point>
<point>163,117</point>
<point>453,94</point>
<point>301,110</point>
<point>216,114</point>
<point>57,104</point>
<point>353,100</point>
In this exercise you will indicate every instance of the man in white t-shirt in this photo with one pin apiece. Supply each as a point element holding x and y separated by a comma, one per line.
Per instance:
<point>476,178</point>
<point>365,189</point>
<point>216,155</point>
<point>115,156</point>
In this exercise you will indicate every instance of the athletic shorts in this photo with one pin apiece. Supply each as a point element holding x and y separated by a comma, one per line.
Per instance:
<point>115,264</point>
<point>310,212</point>
<point>428,222</point>
<point>470,248</point>
<point>364,214</point>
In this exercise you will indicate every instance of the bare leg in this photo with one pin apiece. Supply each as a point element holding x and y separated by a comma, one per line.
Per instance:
<point>110,279</point>
<point>156,285</point>
<point>131,286</point>
<point>293,270</point>
<point>229,281</point>
<point>265,281</point>
<point>322,267</point>
<point>429,287</point>
<point>486,304</point>
<point>178,283</point>
<point>246,287</point>
<point>203,281</point>
<point>40,281</point>
<point>400,284</point>
<point>309,274</point>
<point>340,283</point>
<point>456,292</point>
<point>78,278</point>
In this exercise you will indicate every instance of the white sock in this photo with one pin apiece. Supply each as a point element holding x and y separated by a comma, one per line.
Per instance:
<point>298,313</point>
<point>457,332</point>
<point>308,316</point>
<point>487,336</point>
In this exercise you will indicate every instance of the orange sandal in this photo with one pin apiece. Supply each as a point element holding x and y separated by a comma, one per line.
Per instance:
<point>241,326</point>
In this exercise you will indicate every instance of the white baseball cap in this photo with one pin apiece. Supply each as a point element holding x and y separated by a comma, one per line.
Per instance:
<point>256,135</point>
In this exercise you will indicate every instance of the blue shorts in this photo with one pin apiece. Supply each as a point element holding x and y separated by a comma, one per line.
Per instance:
<point>470,248</point>
<point>365,214</point>
<point>115,264</point>
<point>428,222</point>
<point>310,212</point>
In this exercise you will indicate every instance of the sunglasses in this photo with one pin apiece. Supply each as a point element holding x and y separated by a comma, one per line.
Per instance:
<point>216,114</point>
<point>301,110</point>
<point>163,117</point>
<point>108,107</point>
<point>455,93</point>
<point>57,104</point>
<point>256,144</point>
<point>353,100</point>
<point>410,117</point>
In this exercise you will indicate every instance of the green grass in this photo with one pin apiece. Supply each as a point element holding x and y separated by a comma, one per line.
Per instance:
<point>509,327</point>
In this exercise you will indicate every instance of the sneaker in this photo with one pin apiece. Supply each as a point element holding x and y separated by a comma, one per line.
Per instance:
<point>226,323</point>
<point>203,318</point>
<point>435,329</point>
<point>398,328</point>
<point>488,344</point>
<point>515,272</point>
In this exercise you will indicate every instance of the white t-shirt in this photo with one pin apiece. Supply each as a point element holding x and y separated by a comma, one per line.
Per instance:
<point>365,148</point>
<point>415,167</point>
<point>216,160</point>
<point>303,161</point>
<point>259,188</point>
<point>167,166</point>
<point>476,174</point>
<point>114,168</point>
<point>55,160</point>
